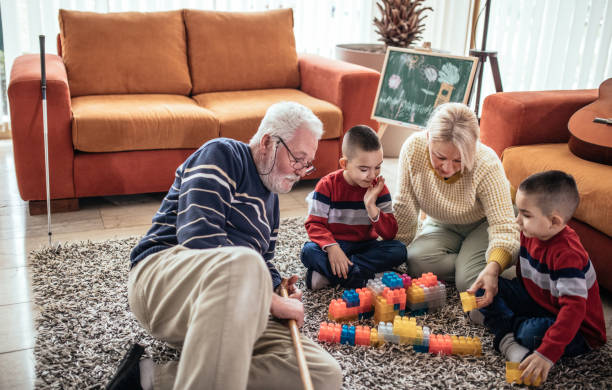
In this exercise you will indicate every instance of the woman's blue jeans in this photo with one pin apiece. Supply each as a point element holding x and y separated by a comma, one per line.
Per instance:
<point>513,310</point>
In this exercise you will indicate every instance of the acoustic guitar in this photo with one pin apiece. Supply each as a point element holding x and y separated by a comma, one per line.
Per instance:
<point>590,139</point>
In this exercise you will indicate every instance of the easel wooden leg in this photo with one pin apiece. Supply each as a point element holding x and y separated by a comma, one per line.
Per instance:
<point>381,130</point>
<point>496,74</point>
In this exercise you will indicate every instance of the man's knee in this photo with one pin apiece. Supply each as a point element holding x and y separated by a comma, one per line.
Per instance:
<point>240,267</point>
<point>327,375</point>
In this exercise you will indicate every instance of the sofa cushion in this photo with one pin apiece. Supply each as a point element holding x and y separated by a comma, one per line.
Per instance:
<point>595,190</point>
<point>126,52</point>
<point>240,112</point>
<point>231,51</point>
<point>111,123</point>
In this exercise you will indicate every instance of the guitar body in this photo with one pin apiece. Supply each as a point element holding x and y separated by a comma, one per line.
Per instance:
<point>589,140</point>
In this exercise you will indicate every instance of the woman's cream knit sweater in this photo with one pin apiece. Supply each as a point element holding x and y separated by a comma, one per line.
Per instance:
<point>461,199</point>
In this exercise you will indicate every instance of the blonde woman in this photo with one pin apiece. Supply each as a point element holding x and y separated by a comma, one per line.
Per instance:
<point>469,235</point>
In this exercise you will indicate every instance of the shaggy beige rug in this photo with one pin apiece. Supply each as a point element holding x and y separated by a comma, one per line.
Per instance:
<point>85,327</point>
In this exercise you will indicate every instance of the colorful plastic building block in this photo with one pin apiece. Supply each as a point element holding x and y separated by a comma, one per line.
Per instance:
<point>330,332</point>
<point>351,297</point>
<point>348,335</point>
<point>468,301</point>
<point>392,280</point>
<point>513,374</point>
<point>406,280</point>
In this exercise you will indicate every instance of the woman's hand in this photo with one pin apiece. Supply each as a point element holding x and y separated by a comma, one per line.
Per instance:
<point>487,280</point>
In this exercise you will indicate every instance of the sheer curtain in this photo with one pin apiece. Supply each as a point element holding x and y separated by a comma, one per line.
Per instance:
<point>549,44</point>
<point>544,44</point>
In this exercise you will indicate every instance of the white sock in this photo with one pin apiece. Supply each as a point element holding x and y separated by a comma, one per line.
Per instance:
<point>511,349</point>
<point>146,373</point>
<point>476,317</point>
<point>318,281</point>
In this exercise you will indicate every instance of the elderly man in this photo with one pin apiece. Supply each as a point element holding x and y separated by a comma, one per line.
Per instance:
<point>203,276</point>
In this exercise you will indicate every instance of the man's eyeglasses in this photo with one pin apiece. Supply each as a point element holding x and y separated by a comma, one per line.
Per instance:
<point>296,163</point>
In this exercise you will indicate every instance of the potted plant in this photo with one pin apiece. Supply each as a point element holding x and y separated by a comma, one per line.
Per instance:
<point>401,24</point>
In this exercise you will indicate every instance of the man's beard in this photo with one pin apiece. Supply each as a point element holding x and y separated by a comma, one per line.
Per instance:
<point>273,181</point>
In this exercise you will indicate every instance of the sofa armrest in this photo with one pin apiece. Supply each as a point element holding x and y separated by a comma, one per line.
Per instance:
<point>525,118</point>
<point>25,100</point>
<point>352,88</point>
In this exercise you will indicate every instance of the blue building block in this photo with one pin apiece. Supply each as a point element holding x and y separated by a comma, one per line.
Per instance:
<point>351,298</point>
<point>348,335</point>
<point>420,348</point>
<point>392,280</point>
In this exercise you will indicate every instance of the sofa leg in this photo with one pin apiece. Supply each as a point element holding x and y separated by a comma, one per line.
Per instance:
<point>38,207</point>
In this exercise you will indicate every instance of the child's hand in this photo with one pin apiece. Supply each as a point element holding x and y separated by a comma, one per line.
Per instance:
<point>338,261</point>
<point>533,366</point>
<point>369,199</point>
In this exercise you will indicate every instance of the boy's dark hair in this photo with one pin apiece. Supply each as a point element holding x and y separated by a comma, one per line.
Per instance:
<point>360,137</point>
<point>554,191</point>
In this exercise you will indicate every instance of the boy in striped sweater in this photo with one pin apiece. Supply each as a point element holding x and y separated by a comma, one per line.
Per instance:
<point>349,209</point>
<point>552,308</point>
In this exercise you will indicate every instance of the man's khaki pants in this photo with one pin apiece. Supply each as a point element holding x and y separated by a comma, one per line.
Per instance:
<point>215,303</point>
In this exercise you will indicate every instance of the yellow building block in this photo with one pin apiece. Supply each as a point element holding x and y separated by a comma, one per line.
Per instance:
<point>468,301</point>
<point>513,374</point>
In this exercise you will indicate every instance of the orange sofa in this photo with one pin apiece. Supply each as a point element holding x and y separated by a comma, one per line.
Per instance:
<point>529,131</point>
<point>131,95</point>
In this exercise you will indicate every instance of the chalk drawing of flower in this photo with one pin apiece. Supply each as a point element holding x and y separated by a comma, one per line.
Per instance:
<point>394,81</point>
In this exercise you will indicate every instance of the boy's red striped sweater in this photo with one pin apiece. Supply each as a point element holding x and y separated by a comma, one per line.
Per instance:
<point>337,212</point>
<point>559,276</point>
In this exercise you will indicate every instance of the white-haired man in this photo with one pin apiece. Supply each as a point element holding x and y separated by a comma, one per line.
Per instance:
<point>203,277</point>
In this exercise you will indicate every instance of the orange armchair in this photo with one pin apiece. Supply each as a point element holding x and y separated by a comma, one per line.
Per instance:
<point>529,131</point>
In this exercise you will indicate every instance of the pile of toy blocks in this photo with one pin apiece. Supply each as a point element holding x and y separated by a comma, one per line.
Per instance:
<point>403,330</point>
<point>426,292</point>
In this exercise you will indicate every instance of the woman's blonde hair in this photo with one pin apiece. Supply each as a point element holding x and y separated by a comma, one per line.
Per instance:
<point>456,123</point>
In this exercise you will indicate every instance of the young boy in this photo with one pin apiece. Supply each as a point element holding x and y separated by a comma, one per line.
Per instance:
<point>552,308</point>
<point>349,209</point>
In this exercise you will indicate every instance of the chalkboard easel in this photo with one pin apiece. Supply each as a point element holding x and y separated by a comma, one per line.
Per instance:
<point>414,82</point>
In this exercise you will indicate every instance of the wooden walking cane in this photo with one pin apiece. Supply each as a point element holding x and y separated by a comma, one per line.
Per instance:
<point>297,343</point>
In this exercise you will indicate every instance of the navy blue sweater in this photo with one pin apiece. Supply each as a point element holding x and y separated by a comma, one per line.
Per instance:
<point>217,199</point>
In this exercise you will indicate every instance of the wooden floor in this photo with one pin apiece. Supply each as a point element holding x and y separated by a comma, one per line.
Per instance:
<point>98,219</point>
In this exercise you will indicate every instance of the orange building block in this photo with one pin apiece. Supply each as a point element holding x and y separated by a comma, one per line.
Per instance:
<point>339,312</point>
<point>427,280</point>
<point>366,300</point>
<point>362,335</point>
<point>330,332</point>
